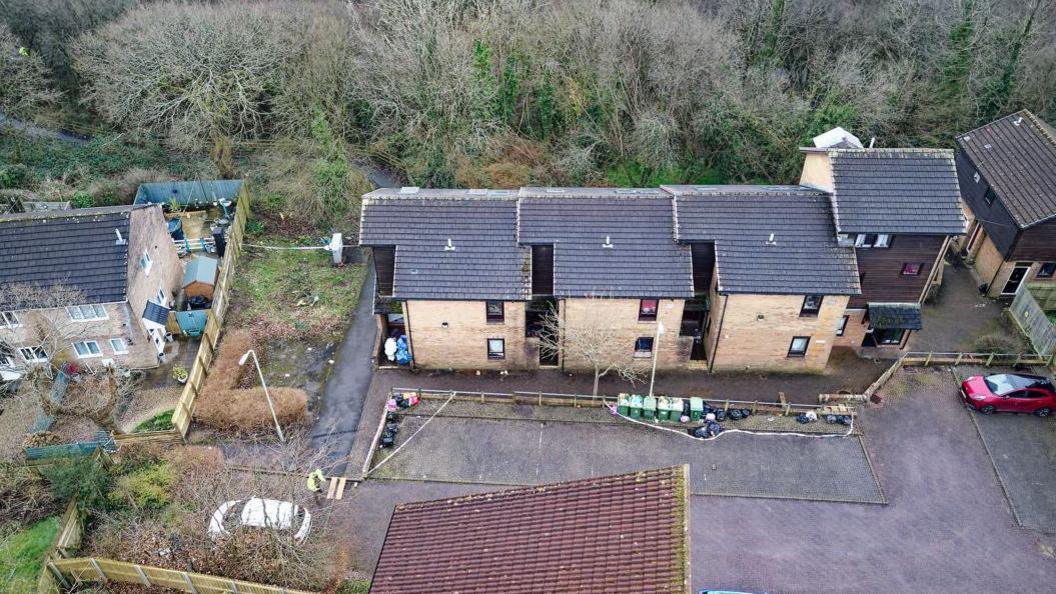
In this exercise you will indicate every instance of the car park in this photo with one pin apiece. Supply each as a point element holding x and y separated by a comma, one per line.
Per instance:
<point>1010,392</point>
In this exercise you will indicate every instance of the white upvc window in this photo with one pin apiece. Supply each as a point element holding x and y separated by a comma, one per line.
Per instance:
<point>145,262</point>
<point>35,354</point>
<point>87,348</point>
<point>6,360</point>
<point>87,313</point>
<point>161,297</point>
<point>868,240</point>
<point>119,346</point>
<point>9,319</point>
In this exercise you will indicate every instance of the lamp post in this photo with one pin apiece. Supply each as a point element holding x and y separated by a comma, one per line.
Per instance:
<point>267,395</point>
<point>656,349</point>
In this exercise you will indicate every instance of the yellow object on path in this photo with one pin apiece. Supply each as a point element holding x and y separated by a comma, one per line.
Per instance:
<point>316,480</point>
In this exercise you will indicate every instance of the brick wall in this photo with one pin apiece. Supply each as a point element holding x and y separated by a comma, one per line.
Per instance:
<point>990,267</point>
<point>757,330</point>
<point>462,343</point>
<point>620,319</point>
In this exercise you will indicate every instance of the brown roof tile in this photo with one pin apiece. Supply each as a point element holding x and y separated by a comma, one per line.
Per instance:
<point>614,534</point>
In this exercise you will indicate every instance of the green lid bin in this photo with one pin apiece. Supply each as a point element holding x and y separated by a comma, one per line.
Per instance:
<point>696,408</point>
<point>623,404</point>
<point>649,408</point>
<point>663,409</point>
<point>634,406</point>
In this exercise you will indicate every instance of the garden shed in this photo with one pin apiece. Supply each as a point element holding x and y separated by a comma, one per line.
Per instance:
<point>199,278</point>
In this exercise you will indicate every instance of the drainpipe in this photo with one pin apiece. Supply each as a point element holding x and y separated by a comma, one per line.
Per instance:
<point>718,333</point>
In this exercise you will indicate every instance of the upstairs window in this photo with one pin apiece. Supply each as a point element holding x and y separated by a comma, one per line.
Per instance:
<point>87,313</point>
<point>145,262</point>
<point>1047,270</point>
<point>811,306</point>
<point>872,240</point>
<point>494,312</point>
<point>911,268</point>
<point>842,326</point>
<point>647,310</point>
<point>989,196</point>
<point>9,319</point>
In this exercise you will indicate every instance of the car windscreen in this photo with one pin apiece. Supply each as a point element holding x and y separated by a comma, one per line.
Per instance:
<point>999,384</point>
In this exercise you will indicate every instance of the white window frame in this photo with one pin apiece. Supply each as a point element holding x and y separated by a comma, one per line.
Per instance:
<point>7,361</point>
<point>90,355</point>
<point>87,313</point>
<point>33,350</point>
<point>146,262</point>
<point>162,298</point>
<point>123,350</point>
<point>883,240</point>
<point>8,319</point>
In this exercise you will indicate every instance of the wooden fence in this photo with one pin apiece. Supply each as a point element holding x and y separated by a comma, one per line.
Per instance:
<point>181,417</point>
<point>69,572</point>
<point>1030,310</point>
<point>986,359</point>
<point>66,542</point>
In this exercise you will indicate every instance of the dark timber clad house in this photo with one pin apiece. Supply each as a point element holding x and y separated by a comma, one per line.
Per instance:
<point>1007,172</point>
<point>764,277</point>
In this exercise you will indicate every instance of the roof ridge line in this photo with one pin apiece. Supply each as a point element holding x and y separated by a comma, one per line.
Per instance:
<point>992,122</point>
<point>1042,126</point>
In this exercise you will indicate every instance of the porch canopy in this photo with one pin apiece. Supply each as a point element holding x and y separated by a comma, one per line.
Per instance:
<point>904,316</point>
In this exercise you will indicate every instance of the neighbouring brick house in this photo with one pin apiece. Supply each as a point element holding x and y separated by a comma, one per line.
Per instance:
<point>623,534</point>
<point>119,264</point>
<point>765,277</point>
<point>1007,172</point>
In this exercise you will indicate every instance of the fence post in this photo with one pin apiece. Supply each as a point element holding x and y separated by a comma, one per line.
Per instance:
<point>190,584</point>
<point>142,576</point>
<point>58,575</point>
<point>98,570</point>
<point>1018,357</point>
<point>990,359</point>
<point>958,361</point>
<point>928,360</point>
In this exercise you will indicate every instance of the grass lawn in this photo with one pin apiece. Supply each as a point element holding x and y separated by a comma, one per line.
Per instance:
<point>22,555</point>
<point>159,422</point>
<point>296,294</point>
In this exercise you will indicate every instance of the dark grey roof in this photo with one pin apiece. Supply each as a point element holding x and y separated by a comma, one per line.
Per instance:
<point>159,314</point>
<point>896,191</point>
<point>486,262</point>
<point>77,249</point>
<point>895,315</point>
<point>644,260</point>
<point>1017,156</point>
<point>804,257</point>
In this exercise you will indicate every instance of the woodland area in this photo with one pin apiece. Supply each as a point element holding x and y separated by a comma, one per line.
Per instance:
<point>510,92</point>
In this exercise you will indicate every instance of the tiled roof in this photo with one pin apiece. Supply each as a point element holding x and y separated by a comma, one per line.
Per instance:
<point>912,191</point>
<point>622,534</point>
<point>803,257</point>
<point>643,261</point>
<point>486,262</point>
<point>1017,156</point>
<point>77,249</point>
<point>895,315</point>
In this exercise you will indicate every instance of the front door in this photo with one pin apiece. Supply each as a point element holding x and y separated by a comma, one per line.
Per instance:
<point>1014,279</point>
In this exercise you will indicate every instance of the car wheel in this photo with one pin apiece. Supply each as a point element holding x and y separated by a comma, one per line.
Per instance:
<point>1043,412</point>
<point>989,409</point>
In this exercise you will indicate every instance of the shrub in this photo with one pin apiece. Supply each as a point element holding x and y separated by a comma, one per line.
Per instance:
<point>225,372</point>
<point>147,487</point>
<point>995,343</point>
<point>14,175</point>
<point>247,410</point>
<point>82,199</point>
<point>86,478</point>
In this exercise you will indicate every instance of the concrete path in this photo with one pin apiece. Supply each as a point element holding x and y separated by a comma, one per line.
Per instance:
<point>346,389</point>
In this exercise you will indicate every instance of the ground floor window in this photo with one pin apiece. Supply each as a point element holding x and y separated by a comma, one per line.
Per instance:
<point>798,348</point>
<point>496,348</point>
<point>6,360</point>
<point>35,354</point>
<point>9,319</point>
<point>842,326</point>
<point>119,346</point>
<point>1047,270</point>
<point>888,335</point>
<point>87,348</point>
<point>643,346</point>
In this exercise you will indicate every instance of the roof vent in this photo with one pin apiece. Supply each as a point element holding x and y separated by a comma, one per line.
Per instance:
<point>450,247</point>
<point>987,146</point>
<point>409,190</point>
<point>608,243</point>
<point>1017,121</point>
<point>771,240</point>
<point>120,239</point>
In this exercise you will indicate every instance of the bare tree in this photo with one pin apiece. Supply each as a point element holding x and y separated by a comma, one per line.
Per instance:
<point>600,347</point>
<point>94,396</point>
<point>25,86</point>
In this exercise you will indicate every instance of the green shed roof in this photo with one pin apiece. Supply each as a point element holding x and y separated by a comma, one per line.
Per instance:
<point>201,269</point>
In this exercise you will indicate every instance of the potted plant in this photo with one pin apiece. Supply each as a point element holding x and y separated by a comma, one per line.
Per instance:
<point>180,374</point>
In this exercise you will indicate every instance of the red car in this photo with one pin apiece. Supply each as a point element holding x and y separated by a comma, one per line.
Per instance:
<point>1010,392</point>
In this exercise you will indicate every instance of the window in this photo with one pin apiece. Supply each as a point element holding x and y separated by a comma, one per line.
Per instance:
<point>6,361</point>
<point>145,262</point>
<point>842,326</point>
<point>118,345</point>
<point>647,310</point>
<point>1047,270</point>
<point>84,313</point>
<point>989,196</point>
<point>35,354</point>
<point>494,312</point>
<point>643,346</point>
<point>798,348</point>
<point>811,306</point>
<point>496,348</point>
<point>872,240</point>
<point>87,348</point>
<point>9,319</point>
<point>911,269</point>
<point>888,335</point>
